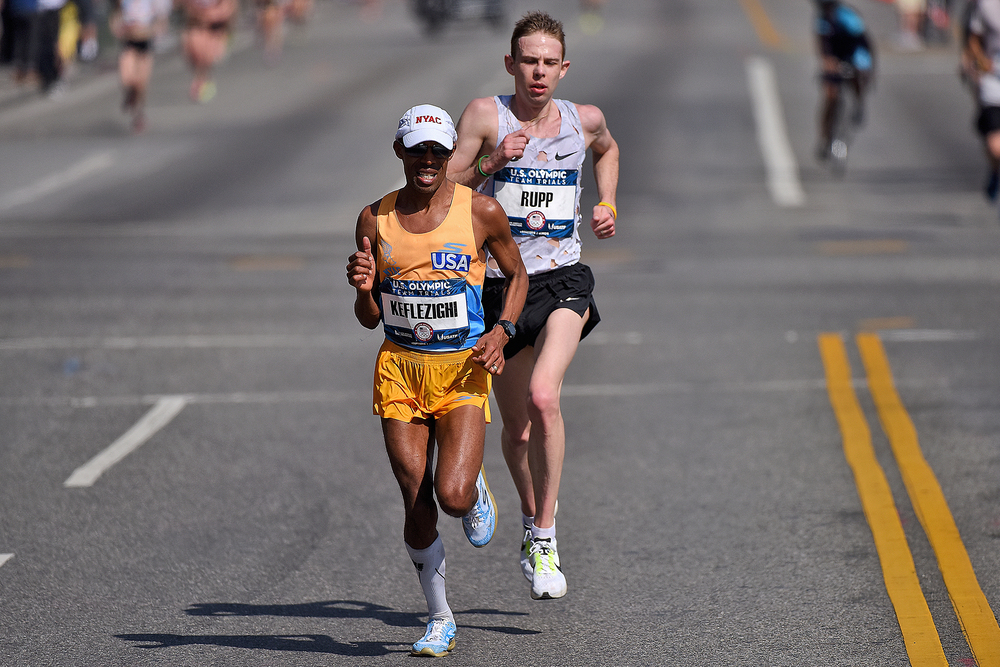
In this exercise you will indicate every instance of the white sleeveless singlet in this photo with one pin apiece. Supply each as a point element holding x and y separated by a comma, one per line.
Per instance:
<point>540,192</point>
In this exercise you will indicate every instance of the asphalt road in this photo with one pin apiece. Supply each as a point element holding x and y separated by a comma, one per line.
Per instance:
<point>179,296</point>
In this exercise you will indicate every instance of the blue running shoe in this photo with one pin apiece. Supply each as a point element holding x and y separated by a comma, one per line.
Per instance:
<point>439,639</point>
<point>481,520</point>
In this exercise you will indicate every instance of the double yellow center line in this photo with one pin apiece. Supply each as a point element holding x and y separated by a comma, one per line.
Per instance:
<point>923,645</point>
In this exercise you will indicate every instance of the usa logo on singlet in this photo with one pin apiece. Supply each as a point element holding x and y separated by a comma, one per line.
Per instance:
<point>450,261</point>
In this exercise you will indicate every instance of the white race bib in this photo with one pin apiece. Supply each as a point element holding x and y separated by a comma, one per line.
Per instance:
<point>538,202</point>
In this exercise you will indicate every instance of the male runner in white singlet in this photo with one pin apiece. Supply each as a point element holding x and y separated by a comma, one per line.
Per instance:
<point>419,271</point>
<point>527,150</point>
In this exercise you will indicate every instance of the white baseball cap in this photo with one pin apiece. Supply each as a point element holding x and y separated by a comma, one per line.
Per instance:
<point>426,122</point>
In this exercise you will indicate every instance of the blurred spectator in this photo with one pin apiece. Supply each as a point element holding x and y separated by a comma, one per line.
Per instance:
<point>591,17</point>
<point>299,11</point>
<point>88,30</point>
<point>911,14</point>
<point>69,36</point>
<point>136,23</point>
<point>271,26</point>
<point>206,35</point>
<point>24,39</point>
<point>50,64</point>
<point>371,10</point>
<point>6,26</point>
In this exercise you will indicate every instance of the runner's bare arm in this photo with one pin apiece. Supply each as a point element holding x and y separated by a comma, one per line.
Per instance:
<point>361,269</point>
<point>493,229</point>
<point>977,50</point>
<point>605,155</point>
<point>477,136</point>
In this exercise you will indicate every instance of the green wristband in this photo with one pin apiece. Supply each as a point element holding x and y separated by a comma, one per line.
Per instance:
<point>479,167</point>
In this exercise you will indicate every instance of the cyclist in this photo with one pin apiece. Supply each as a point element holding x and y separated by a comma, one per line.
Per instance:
<point>847,57</point>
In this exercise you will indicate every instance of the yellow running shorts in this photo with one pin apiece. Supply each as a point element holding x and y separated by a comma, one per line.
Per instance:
<point>412,384</point>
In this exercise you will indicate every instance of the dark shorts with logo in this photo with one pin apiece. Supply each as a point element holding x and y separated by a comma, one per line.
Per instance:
<point>988,120</point>
<point>567,287</point>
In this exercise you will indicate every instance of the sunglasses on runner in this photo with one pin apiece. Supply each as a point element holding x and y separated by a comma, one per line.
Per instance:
<point>437,150</point>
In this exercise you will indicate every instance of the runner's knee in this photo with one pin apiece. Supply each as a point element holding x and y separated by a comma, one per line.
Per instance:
<point>455,496</point>
<point>543,405</point>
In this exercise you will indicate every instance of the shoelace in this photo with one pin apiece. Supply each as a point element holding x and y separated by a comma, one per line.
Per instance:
<point>437,632</point>
<point>478,515</point>
<point>540,552</point>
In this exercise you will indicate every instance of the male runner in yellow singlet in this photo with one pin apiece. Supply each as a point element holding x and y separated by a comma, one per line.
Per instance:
<point>419,271</point>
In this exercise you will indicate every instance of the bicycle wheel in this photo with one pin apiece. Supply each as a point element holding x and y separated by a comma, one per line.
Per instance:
<point>840,141</point>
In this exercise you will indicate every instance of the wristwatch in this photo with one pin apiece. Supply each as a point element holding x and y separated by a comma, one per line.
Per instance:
<point>508,328</point>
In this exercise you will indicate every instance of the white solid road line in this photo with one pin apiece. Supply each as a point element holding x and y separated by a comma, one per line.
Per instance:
<point>177,342</point>
<point>158,417</point>
<point>926,335</point>
<point>225,341</point>
<point>340,397</point>
<point>93,164</point>
<point>782,170</point>
<point>4,558</point>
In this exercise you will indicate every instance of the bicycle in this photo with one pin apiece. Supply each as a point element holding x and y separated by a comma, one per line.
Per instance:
<point>844,123</point>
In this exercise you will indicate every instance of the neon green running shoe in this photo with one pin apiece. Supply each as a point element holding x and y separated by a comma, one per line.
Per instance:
<point>547,579</point>
<point>526,568</point>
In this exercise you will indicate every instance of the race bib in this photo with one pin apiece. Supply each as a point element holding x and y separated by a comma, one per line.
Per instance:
<point>538,202</point>
<point>425,312</point>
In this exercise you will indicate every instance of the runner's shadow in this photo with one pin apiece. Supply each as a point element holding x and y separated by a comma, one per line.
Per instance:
<point>334,609</point>
<point>327,609</point>
<point>347,609</point>
<point>300,643</point>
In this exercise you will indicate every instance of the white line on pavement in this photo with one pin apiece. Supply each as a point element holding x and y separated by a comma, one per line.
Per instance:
<point>158,417</point>
<point>237,342</point>
<point>4,558</point>
<point>57,181</point>
<point>580,390</point>
<point>926,335</point>
<point>175,342</point>
<point>234,398</point>
<point>782,170</point>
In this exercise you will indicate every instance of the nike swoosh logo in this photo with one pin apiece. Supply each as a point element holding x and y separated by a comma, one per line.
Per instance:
<point>563,157</point>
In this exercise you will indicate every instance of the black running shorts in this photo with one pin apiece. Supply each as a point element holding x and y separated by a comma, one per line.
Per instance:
<point>566,287</point>
<point>988,121</point>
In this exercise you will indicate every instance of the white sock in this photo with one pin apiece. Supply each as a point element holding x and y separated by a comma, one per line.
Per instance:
<point>543,532</point>
<point>430,569</point>
<point>526,520</point>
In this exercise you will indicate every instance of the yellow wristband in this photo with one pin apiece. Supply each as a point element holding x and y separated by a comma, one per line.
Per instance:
<point>614,211</point>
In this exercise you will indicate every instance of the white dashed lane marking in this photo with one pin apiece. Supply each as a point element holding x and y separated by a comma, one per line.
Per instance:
<point>158,417</point>
<point>775,148</point>
<point>91,165</point>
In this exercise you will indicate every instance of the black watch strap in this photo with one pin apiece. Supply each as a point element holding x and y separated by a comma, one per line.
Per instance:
<point>508,328</point>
